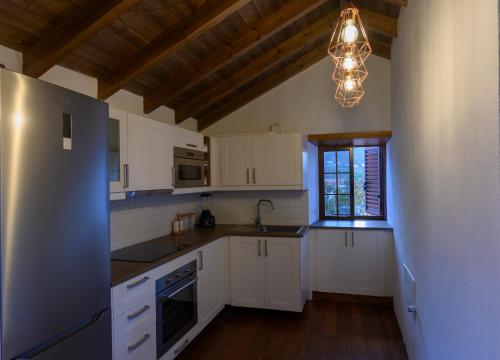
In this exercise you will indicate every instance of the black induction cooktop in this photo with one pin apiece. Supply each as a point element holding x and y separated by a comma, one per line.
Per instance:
<point>148,251</point>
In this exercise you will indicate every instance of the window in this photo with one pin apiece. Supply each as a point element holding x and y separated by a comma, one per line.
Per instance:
<point>352,182</point>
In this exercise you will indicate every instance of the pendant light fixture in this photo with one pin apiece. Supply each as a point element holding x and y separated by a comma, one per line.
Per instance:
<point>349,48</point>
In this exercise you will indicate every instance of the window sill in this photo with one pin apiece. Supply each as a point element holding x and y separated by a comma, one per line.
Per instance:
<point>352,224</point>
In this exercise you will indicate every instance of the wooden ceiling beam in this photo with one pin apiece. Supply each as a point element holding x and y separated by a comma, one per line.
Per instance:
<point>71,34</point>
<point>380,48</point>
<point>378,23</point>
<point>276,78</point>
<point>288,48</point>
<point>167,43</point>
<point>402,3</point>
<point>259,32</point>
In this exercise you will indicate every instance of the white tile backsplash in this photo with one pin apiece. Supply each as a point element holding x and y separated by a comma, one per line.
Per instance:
<point>290,207</point>
<point>147,217</point>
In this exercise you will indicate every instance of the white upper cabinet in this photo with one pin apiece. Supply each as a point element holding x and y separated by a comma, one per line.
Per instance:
<point>117,150</point>
<point>277,159</point>
<point>268,160</point>
<point>187,139</point>
<point>236,160</point>
<point>150,154</point>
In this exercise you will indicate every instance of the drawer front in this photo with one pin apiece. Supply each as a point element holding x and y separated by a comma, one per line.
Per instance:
<point>133,323</point>
<point>132,294</point>
<point>141,347</point>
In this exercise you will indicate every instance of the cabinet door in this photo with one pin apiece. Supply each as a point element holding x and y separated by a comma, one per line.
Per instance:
<point>247,272</point>
<point>236,160</point>
<point>332,254</point>
<point>367,262</point>
<point>187,139</point>
<point>150,154</point>
<point>277,159</point>
<point>282,273</point>
<point>117,150</point>
<point>211,272</point>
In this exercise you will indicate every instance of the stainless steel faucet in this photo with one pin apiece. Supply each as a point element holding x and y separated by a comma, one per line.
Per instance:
<point>258,220</point>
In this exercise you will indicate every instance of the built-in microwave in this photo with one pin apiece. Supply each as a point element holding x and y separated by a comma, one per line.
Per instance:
<point>188,168</point>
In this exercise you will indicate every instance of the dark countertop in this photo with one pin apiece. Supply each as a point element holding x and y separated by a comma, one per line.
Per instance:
<point>352,224</point>
<point>122,271</point>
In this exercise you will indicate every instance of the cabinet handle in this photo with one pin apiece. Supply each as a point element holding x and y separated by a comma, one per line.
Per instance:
<point>182,347</point>
<point>259,251</point>
<point>138,313</point>
<point>139,343</point>
<point>265,248</point>
<point>345,238</point>
<point>253,175</point>
<point>248,176</point>
<point>352,239</point>
<point>125,176</point>
<point>201,260</point>
<point>137,283</point>
<point>192,145</point>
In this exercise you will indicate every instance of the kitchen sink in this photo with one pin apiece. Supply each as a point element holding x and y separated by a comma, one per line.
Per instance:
<point>268,230</point>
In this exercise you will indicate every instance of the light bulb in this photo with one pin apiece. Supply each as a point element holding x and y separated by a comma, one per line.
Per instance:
<point>350,32</point>
<point>349,62</point>
<point>349,84</point>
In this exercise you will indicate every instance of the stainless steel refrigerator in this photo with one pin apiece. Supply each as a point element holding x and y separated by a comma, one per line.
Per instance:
<point>54,220</point>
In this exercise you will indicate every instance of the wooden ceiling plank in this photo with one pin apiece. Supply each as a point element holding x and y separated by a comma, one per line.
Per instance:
<point>276,78</point>
<point>71,34</point>
<point>401,3</point>
<point>261,31</point>
<point>167,43</point>
<point>258,66</point>
<point>379,23</point>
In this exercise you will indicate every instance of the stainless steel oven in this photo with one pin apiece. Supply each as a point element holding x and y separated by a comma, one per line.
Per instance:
<point>188,166</point>
<point>176,307</point>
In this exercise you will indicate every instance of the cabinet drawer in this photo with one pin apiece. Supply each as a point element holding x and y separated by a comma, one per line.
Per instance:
<point>133,323</point>
<point>140,347</point>
<point>132,293</point>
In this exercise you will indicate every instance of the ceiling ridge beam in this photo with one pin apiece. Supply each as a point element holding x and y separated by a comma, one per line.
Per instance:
<point>258,66</point>
<point>260,31</point>
<point>71,34</point>
<point>276,78</point>
<point>167,43</point>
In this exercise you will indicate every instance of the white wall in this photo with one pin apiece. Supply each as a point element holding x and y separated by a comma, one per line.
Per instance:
<point>306,104</point>
<point>444,185</point>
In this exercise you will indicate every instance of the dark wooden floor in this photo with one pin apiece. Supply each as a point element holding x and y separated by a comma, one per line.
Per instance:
<point>327,329</point>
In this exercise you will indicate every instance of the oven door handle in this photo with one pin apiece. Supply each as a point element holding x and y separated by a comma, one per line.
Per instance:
<point>169,296</point>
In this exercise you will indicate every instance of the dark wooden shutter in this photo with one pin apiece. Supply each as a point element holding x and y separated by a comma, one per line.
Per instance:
<point>372,181</point>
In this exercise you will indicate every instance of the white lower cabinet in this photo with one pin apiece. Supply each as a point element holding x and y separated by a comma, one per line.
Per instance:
<point>266,273</point>
<point>354,262</point>
<point>140,347</point>
<point>211,278</point>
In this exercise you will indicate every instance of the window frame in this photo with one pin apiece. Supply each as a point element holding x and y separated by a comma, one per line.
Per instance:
<point>321,172</point>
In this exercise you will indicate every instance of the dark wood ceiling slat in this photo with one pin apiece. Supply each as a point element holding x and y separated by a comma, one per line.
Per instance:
<point>261,31</point>
<point>402,3</point>
<point>270,82</point>
<point>379,23</point>
<point>258,66</point>
<point>71,34</point>
<point>165,44</point>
